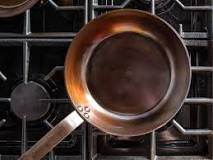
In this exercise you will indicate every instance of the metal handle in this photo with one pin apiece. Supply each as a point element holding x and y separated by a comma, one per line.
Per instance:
<point>53,137</point>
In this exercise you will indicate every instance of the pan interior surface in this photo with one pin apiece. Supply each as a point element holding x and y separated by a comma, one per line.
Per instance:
<point>128,73</point>
<point>11,3</point>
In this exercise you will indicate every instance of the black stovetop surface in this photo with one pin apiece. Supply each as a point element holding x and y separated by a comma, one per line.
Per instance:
<point>52,30</point>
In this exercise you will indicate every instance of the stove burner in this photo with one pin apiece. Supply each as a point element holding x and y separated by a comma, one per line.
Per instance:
<point>25,101</point>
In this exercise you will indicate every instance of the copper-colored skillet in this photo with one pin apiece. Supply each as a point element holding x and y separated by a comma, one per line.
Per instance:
<point>10,8</point>
<point>127,73</point>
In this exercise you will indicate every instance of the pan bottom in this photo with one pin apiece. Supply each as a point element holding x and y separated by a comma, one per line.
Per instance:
<point>128,73</point>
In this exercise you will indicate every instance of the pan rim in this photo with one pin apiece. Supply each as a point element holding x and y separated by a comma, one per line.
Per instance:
<point>6,12</point>
<point>12,6</point>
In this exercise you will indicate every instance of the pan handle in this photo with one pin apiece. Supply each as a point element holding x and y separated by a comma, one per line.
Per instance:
<point>53,137</point>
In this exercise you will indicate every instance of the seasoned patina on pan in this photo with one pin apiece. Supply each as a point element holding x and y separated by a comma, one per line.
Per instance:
<point>138,73</point>
<point>127,73</point>
<point>10,8</point>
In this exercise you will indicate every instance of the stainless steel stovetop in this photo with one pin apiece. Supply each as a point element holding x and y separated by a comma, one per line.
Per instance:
<point>32,51</point>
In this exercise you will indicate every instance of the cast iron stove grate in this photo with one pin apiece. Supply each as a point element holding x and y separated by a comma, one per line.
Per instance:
<point>33,47</point>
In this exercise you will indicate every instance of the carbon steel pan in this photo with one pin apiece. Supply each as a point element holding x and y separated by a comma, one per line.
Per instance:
<point>10,8</point>
<point>127,72</point>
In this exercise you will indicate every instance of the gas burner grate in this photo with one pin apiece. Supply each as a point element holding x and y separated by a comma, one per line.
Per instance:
<point>33,53</point>
<point>33,47</point>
